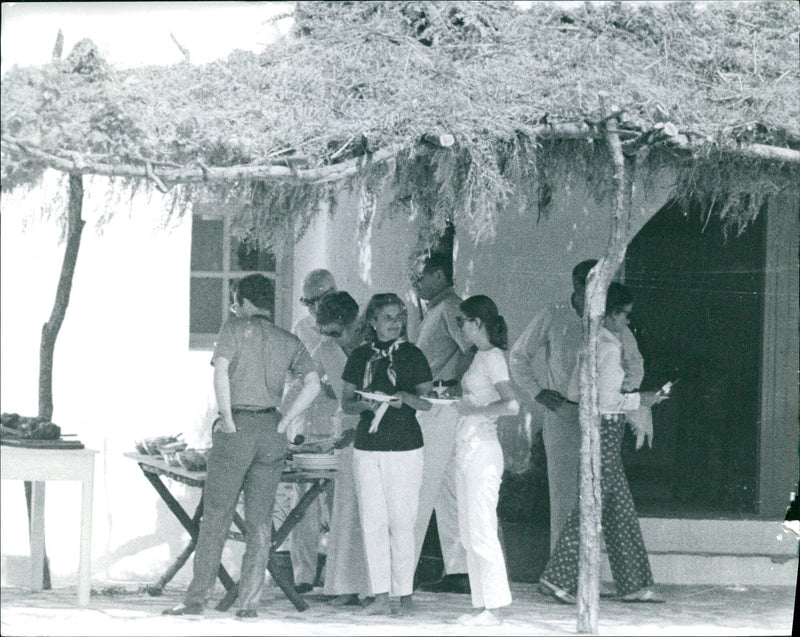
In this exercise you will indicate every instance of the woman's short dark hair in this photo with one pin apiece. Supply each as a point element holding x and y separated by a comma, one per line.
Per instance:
<point>257,289</point>
<point>483,308</point>
<point>337,307</point>
<point>375,305</point>
<point>617,298</point>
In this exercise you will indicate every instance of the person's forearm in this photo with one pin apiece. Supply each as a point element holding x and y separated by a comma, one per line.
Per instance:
<point>520,366</point>
<point>415,402</point>
<point>222,389</point>
<point>354,406</point>
<point>345,439</point>
<point>522,355</point>
<point>305,397</point>
<point>499,408</point>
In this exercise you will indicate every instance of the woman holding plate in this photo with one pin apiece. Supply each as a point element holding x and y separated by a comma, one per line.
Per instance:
<point>345,567</point>
<point>487,395</point>
<point>392,374</point>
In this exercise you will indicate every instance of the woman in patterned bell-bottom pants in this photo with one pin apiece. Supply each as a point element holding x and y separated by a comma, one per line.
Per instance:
<point>627,556</point>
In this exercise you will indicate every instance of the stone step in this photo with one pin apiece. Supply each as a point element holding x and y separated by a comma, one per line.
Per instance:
<point>743,552</point>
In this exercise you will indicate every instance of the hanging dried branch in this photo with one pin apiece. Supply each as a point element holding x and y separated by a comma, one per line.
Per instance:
<point>393,73</point>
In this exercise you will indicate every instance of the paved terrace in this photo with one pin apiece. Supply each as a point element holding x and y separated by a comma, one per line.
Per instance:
<point>127,610</point>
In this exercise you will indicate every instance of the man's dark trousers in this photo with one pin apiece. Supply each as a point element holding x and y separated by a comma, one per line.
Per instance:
<point>251,458</point>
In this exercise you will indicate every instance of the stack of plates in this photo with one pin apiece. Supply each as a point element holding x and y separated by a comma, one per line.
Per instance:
<point>315,461</point>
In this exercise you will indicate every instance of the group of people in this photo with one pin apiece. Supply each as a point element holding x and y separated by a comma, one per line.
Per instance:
<point>404,452</point>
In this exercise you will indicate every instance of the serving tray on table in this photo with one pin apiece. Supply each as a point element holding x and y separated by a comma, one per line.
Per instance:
<point>41,444</point>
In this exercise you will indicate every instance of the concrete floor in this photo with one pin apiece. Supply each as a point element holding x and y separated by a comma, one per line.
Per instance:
<point>127,610</point>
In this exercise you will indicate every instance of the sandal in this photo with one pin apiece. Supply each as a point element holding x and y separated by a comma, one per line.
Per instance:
<point>643,596</point>
<point>559,594</point>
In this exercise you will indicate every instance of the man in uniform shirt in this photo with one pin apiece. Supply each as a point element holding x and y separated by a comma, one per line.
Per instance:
<point>541,363</point>
<point>251,360</point>
<point>449,354</point>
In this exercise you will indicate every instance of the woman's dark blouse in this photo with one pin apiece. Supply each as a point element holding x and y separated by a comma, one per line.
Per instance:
<point>399,429</point>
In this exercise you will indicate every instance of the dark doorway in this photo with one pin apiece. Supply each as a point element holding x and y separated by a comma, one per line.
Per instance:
<point>698,311</point>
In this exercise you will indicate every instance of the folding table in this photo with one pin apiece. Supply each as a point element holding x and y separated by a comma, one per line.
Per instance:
<point>154,468</point>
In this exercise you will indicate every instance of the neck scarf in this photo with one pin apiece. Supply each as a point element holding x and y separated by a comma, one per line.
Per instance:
<point>387,351</point>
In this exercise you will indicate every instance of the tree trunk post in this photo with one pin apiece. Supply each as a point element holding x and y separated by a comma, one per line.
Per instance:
<point>50,329</point>
<point>596,288</point>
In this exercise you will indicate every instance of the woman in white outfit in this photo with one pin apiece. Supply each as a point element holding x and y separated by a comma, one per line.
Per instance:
<point>345,567</point>
<point>487,395</point>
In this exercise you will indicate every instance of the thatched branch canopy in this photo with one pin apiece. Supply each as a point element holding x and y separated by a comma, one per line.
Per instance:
<point>360,81</point>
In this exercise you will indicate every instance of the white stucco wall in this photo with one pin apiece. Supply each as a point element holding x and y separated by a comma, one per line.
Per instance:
<point>365,258</point>
<point>122,368</point>
<point>529,263</point>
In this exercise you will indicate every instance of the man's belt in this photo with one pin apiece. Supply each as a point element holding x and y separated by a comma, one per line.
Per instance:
<point>253,410</point>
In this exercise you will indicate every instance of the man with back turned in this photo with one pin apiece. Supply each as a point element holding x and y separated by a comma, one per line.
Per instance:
<point>251,359</point>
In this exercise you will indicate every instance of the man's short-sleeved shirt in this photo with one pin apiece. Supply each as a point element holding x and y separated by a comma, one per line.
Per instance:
<point>260,356</point>
<point>399,429</point>
<point>440,338</point>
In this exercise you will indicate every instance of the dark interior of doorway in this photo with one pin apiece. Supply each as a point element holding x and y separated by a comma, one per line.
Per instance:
<point>698,313</point>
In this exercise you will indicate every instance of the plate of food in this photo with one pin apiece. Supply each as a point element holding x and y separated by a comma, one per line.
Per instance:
<point>369,395</point>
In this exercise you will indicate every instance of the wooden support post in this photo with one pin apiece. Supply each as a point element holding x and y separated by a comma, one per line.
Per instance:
<point>596,289</point>
<point>50,329</point>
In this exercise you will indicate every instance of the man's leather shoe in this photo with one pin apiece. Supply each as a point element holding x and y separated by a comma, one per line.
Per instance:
<point>184,609</point>
<point>303,587</point>
<point>246,613</point>
<point>455,583</point>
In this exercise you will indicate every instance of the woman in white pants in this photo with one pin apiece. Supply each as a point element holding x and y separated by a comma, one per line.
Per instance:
<point>346,565</point>
<point>387,454</point>
<point>479,459</point>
